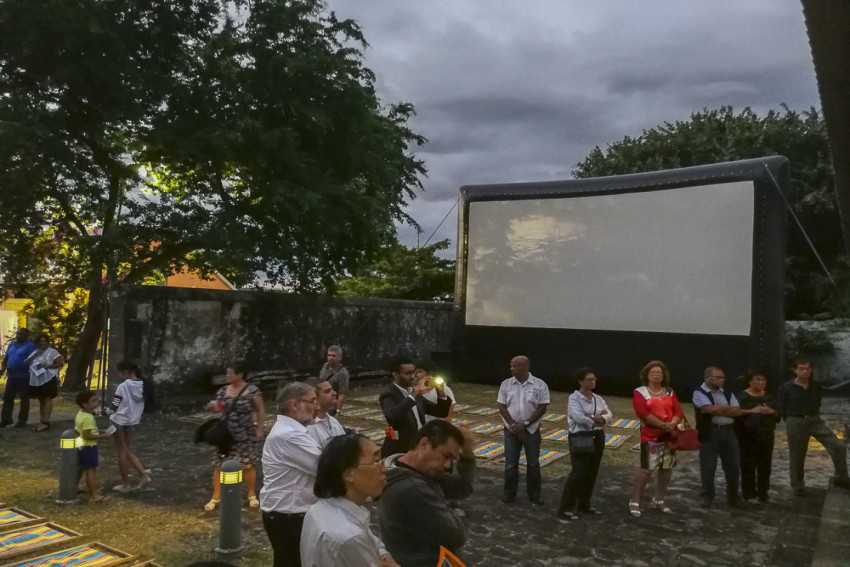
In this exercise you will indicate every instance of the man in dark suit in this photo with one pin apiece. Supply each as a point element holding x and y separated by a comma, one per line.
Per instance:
<point>405,407</point>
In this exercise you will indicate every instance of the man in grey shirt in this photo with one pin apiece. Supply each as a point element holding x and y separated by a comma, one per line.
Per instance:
<point>334,372</point>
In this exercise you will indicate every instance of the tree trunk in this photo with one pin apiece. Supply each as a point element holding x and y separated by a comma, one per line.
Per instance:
<point>83,355</point>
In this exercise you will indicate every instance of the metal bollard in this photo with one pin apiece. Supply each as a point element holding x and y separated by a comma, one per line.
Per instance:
<point>68,468</point>
<point>230,518</point>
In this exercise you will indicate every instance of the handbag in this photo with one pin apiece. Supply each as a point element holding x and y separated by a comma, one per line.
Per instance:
<point>214,431</point>
<point>583,442</point>
<point>685,439</point>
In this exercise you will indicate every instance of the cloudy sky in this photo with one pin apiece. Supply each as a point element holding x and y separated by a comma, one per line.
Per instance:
<point>509,91</point>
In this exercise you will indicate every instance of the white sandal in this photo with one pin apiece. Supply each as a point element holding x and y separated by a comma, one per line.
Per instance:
<point>662,506</point>
<point>634,508</point>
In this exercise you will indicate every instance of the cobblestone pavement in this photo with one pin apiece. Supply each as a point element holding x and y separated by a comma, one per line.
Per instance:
<point>783,533</point>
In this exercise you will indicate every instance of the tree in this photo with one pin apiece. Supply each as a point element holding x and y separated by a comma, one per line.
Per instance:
<point>720,135</point>
<point>400,272</point>
<point>149,135</point>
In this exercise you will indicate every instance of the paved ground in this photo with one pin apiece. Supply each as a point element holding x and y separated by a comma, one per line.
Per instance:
<point>789,531</point>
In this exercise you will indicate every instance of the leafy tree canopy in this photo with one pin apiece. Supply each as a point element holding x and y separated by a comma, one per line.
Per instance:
<point>400,272</point>
<point>148,135</point>
<point>713,136</point>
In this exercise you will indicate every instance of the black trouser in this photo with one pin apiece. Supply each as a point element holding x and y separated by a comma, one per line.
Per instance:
<point>580,483</point>
<point>16,388</point>
<point>756,459</point>
<point>284,531</point>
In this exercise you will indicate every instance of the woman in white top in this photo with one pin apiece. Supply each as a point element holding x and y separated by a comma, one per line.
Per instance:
<point>44,363</point>
<point>127,407</point>
<point>586,414</point>
<point>336,528</point>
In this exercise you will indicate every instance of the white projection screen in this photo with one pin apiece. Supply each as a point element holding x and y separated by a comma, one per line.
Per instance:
<point>684,266</point>
<point>675,261</point>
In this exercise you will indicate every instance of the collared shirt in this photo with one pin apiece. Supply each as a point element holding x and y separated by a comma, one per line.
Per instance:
<point>414,409</point>
<point>793,400</point>
<point>337,376</point>
<point>290,456</point>
<point>336,534</point>
<point>579,408</point>
<point>523,398</point>
<point>704,396</point>
<point>322,430</point>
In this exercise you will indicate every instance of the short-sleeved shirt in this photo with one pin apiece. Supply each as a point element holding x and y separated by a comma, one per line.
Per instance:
<point>16,359</point>
<point>323,430</point>
<point>705,397</point>
<point>85,422</point>
<point>338,377</point>
<point>523,398</point>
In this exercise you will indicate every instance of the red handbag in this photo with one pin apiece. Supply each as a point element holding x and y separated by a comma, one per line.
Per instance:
<point>684,439</point>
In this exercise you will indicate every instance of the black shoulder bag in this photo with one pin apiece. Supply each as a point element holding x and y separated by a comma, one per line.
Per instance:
<point>583,442</point>
<point>215,432</point>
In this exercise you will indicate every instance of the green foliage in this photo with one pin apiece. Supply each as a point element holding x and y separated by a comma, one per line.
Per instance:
<point>804,342</point>
<point>713,136</point>
<point>404,273</point>
<point>149,135</point>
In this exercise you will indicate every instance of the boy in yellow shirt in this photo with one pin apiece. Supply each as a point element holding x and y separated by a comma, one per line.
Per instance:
<point>86,426</point>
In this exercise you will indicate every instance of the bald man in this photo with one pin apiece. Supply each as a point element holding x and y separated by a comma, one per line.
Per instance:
<point>522,400</point>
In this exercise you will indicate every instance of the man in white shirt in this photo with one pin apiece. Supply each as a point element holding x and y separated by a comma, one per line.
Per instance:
<point>290,457</point>
<point>522,400</point>
<point>325,426</point>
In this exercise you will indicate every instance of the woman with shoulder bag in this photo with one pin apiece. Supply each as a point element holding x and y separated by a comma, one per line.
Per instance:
<point>660,413</point>
<point>586,414</point>
<point>245,415</point>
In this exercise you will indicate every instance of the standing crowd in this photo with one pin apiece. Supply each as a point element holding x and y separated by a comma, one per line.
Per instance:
<point>318,477</point>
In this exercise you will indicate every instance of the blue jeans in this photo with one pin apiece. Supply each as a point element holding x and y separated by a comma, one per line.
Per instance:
<point>531,444</point>
<point>723,443</point>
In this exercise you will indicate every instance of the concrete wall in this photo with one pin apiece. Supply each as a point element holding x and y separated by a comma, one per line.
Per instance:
<point>181,337</point>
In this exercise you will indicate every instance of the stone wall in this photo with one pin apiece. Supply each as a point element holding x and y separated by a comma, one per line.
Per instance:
<point>182,337</point>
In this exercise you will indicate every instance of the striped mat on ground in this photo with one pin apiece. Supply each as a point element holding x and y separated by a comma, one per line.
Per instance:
<point>485,428</point>
<point>25,540</point>
<point>364,413</point>
<point>626,424</point>
<point>462,422</point>
<point>547,457</point>
<point>366,399</point>
<point>376,435</point>
<point>552,417</point>
<point>556,435</point>
<point>613,441</point>
<point>476,410</point>
<point>489,450</point>
<point>13,518</point>
<point>91,555</point>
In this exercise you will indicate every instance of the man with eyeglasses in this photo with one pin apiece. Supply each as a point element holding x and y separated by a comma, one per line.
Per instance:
<point>413,511</point>
<point>290,456</point>
<point>405,406</point>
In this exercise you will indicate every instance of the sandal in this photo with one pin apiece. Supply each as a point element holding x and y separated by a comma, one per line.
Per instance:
<point>662,506</point>
<point>253,502</point>
<point>42,426</point>
<point>210,506</point>
<point>100,499</point>
<point>634,508</point>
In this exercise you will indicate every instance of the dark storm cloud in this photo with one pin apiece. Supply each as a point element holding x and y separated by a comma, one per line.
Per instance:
<point>508,91</point>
